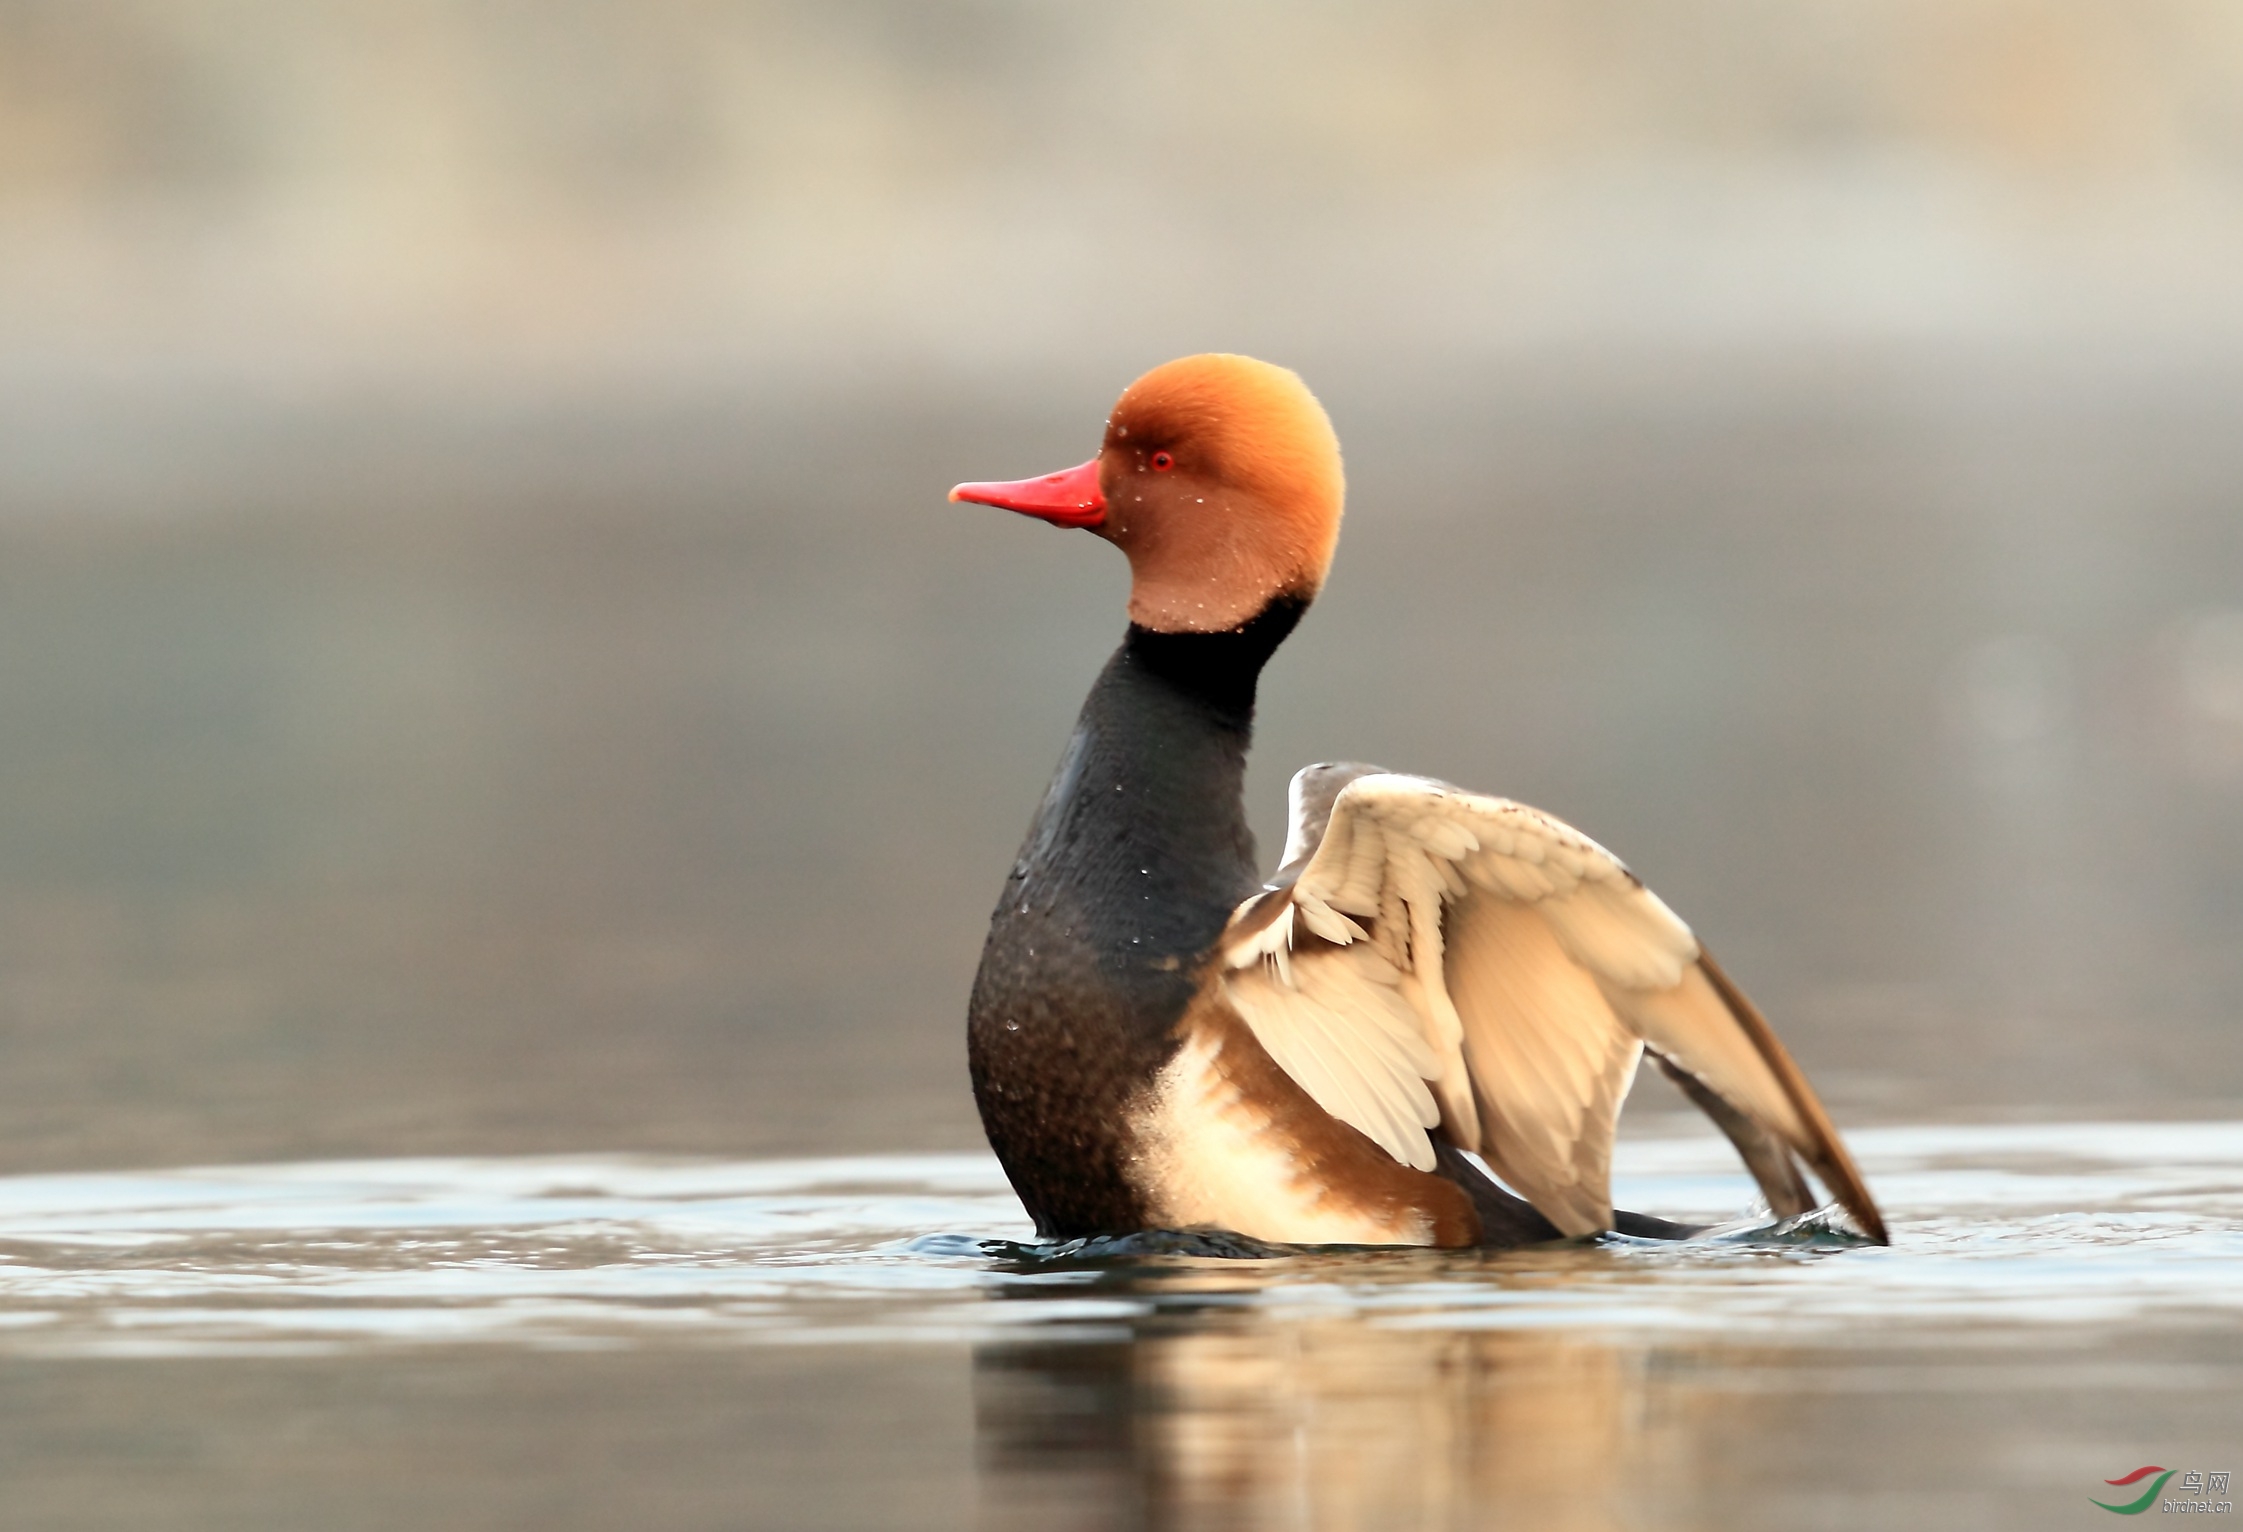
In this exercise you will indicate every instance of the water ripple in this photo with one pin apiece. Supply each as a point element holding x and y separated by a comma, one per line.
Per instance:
<point>2041,1225</point>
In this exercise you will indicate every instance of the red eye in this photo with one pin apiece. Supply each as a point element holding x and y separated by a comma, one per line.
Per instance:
<point>1162,462</point>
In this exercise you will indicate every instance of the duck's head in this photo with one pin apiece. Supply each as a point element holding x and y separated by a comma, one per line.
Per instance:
<point>1220,478</point>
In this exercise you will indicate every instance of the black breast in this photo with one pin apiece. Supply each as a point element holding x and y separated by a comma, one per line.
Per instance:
<point>1133,863</point>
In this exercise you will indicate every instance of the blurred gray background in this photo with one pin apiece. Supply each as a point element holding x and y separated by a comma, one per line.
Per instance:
<point>486,664</point>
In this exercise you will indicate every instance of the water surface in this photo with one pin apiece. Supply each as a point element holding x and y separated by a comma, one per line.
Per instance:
<point>871,1340</point>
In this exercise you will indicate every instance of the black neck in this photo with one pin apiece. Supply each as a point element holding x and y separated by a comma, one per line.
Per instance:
<point>1218,669</point>
<point>1143,834</point>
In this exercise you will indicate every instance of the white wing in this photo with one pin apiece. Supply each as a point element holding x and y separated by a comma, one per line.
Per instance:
<point>1433,958</point>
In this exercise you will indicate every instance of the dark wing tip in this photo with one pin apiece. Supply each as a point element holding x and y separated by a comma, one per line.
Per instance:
<point>1827,1151</point>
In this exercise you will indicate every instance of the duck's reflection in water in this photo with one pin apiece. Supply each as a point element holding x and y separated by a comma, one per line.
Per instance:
<point>1223,1416</point>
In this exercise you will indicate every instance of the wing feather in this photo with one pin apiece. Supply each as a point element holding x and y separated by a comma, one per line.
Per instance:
<point>1344,1031</point>
<point>1550,1071</point>
<point>1447,959</point>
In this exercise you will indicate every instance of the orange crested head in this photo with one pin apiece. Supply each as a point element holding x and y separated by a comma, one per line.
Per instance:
<point>1219,477</point>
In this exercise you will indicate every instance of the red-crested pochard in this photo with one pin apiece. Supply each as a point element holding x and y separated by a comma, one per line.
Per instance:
<point>1161,1040</point>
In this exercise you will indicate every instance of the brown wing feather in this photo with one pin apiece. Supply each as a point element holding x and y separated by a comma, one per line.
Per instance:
<point>1768,1157</point>
<point>1824,1149</point>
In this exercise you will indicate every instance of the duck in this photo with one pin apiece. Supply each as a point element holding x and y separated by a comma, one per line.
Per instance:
<point>1417,1031</point>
